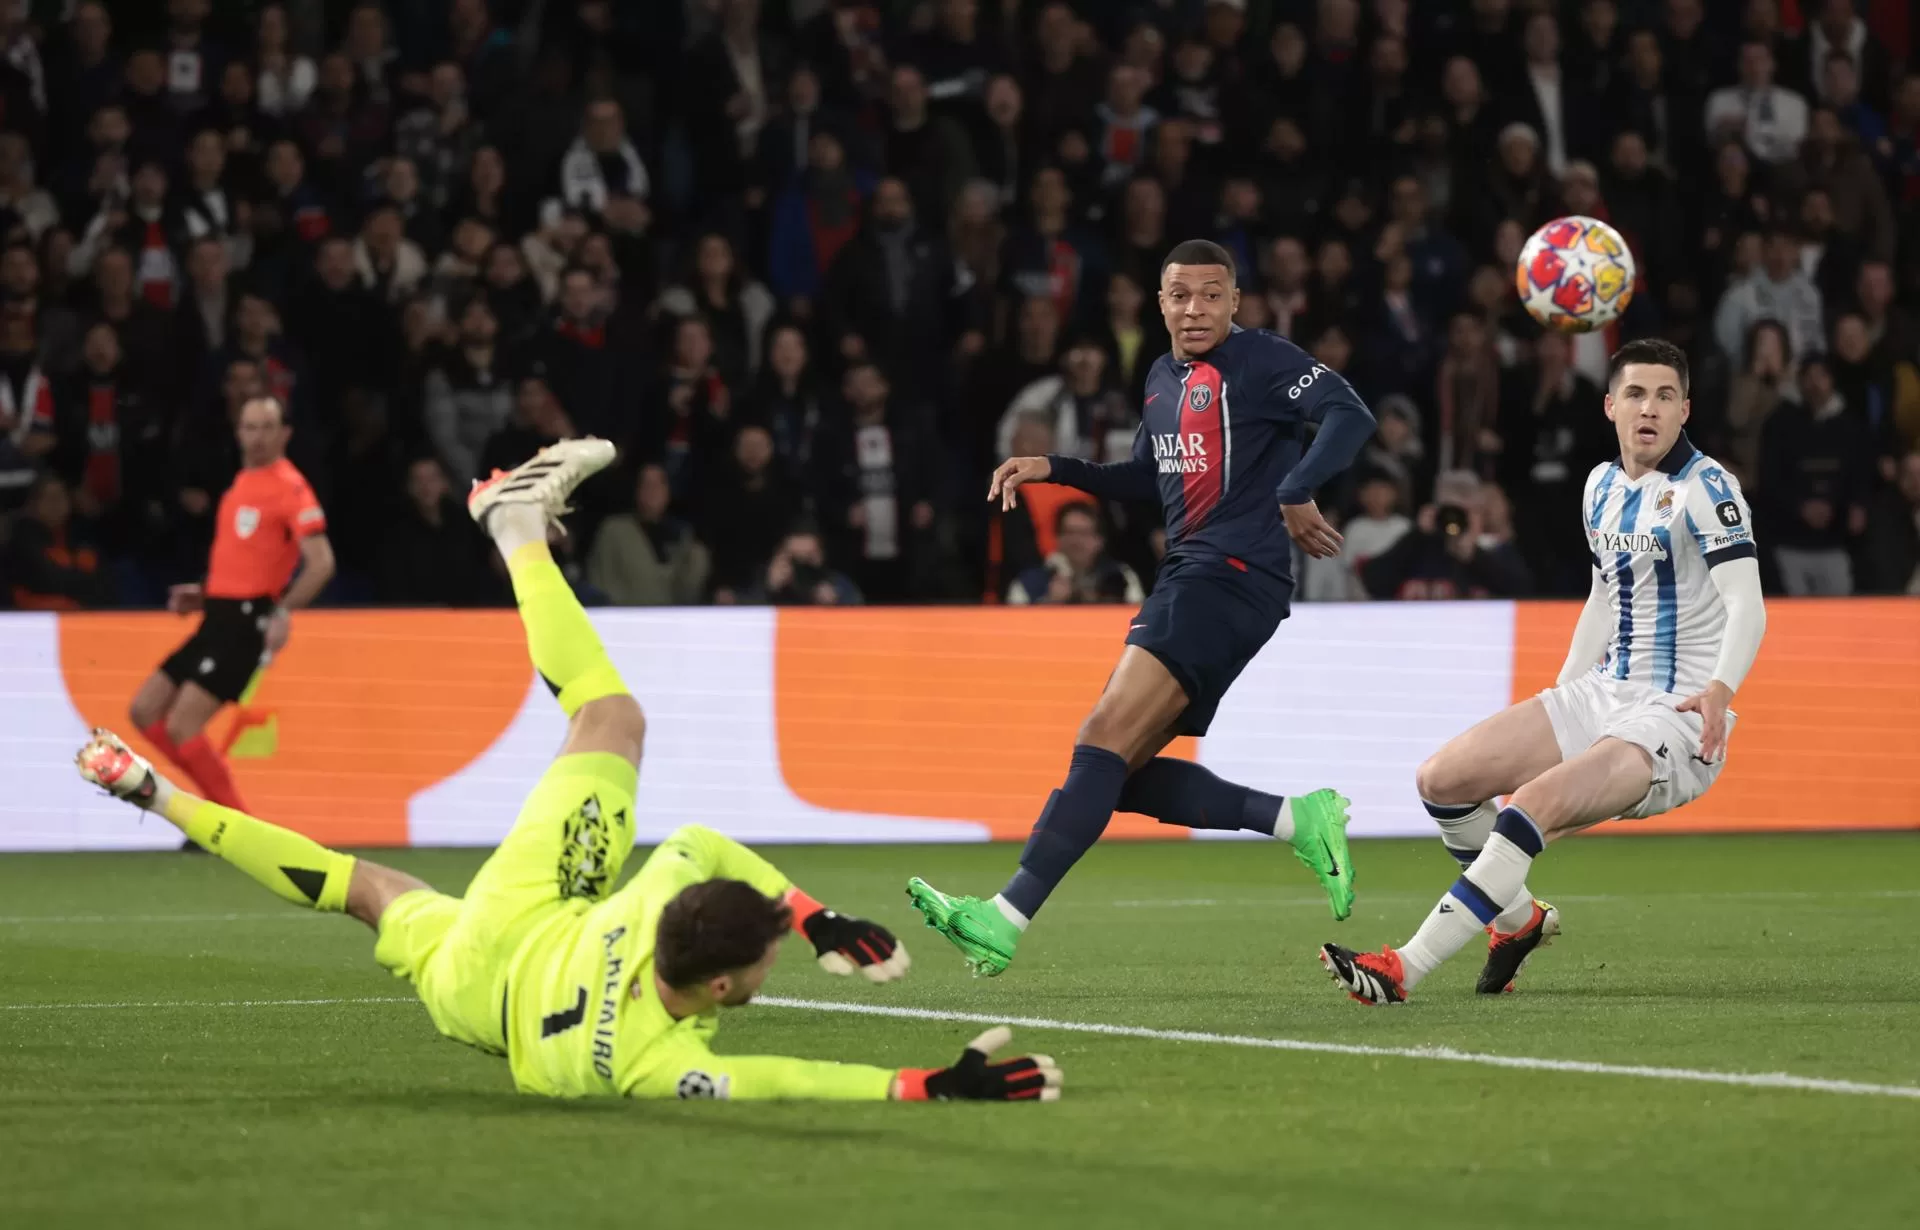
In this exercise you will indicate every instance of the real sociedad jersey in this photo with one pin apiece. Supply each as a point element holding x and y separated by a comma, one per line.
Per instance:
<point>1656,541</point>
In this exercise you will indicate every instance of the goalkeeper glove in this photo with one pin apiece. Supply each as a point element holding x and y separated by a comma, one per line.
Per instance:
<point>1029,1078</point>
<point>844,944</point>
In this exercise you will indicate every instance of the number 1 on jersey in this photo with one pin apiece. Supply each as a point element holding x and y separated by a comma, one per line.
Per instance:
<point>561,1022</point>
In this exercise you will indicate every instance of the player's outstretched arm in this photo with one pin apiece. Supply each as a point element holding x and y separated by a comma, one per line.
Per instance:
<point>842,945</point>
<point>687,1069</point>
<point>1136,479</point>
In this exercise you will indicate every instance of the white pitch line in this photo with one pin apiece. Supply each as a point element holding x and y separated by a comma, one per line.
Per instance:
<point>1751,1080</point>
<point>1754,1080</point>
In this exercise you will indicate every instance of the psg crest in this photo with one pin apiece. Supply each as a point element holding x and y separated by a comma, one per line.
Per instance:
<point>1200,398</point>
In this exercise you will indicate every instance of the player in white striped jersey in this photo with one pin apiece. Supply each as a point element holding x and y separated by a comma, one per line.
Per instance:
<point>1637,724</point>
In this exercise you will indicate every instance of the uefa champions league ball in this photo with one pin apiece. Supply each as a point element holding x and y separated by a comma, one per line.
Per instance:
<point>1575,274</point>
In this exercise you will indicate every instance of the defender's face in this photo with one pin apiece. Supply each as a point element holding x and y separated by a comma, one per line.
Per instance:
<point>1648,408</point>
<point>1198,303</point>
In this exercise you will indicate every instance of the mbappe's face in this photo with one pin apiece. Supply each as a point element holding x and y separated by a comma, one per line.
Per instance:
<point>1648,408</point>
<point>1198,303</point>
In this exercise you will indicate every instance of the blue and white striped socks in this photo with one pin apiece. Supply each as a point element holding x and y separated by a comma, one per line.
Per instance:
<point>1497,878</point>
<point>1464,829</point>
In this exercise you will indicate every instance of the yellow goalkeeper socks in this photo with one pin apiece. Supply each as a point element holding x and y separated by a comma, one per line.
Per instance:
<point>565,648</point>
<point>293,867</point>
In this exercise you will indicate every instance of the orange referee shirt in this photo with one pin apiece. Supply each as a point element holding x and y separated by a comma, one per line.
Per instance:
<point>264,517</point>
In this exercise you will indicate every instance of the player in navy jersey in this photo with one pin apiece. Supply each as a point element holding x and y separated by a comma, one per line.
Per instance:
<point>1223,446</point>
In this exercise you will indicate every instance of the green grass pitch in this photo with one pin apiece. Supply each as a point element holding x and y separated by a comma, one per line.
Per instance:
<point>158,1066</point>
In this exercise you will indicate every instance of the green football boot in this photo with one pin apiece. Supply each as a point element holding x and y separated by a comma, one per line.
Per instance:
<point>1320,843</point>
<point>977,928</point>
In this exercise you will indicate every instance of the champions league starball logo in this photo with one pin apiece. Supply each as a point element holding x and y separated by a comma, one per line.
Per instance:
<point>1200,398</point>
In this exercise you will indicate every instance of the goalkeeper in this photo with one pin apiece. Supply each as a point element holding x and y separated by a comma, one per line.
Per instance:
<point>583,991</point>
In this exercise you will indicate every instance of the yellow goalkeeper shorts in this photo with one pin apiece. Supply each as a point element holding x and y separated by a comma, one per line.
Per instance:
<point>565,853</point>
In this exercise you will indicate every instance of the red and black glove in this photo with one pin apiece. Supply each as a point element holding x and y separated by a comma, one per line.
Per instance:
<point>844,944</point>
<point>1031,1078</point>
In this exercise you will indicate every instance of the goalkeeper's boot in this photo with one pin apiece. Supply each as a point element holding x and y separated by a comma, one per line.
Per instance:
<point>117,769</point>
<point>1320,843</point>
<point>545,481</point>
<point>1375,978</point>
<point>984,936</point>
<point>1507,954</point>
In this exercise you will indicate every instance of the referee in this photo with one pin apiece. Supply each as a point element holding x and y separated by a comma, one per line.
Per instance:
<point>269,524</point>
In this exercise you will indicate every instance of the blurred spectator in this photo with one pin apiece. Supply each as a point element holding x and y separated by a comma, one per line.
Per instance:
<point>1468,397</point>
<point>735,307</point>
<point>107,433</point>
<point>1832,163</point>
<point>26,406</point>
<point>433,555</point>
<point>816,216</point>
<point>440,135</point>
<point>538,420</point>
<point>1768,119</point>
<point>875,486</point>
<point>1090,418</point>
<point>346,328</point>
<point>1764,379</point>
<point>52,566</point>
<point>602,161</point>
<point>468,398</point>
<point>1080,571</point>
<point>688,414</point>
<point>799,575</point>
<point>205,203</point>
<point>1779,290</point>
<point>1815,471</point>
<point>1894,540</point>
<point>285,80</point>
<point>1837,31</point>
<point>86,76</point>
<point>20,196</point>
<point>889,296</point>
<point>1549,436</point>
<point>786,400</point>
<point>646,557</point>
<point>200,320</point>
<point>731,76</point>
<point>343,127</point>
<point>142,329</point>
<point>745,516</point>
<point>1459,548</point>
<point>388,262</point>
<point>1372,532</point>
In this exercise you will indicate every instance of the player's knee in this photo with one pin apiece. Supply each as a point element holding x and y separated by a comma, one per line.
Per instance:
<point>611,722</point>
<point>142,713</point>
<point>1437,780</point>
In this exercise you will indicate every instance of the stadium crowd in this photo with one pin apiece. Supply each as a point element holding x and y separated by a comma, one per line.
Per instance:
<point>817,265</point>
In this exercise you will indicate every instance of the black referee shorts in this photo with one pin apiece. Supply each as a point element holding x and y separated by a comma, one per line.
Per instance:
<point>225,650</point>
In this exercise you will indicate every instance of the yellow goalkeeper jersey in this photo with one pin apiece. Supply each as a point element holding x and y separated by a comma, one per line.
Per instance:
<point>583,1016</point>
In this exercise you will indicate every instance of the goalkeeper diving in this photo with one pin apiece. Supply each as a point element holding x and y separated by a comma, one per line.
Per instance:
<point>585,991</point>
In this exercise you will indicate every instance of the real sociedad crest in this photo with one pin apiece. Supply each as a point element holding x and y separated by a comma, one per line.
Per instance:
<point>1200,398</point>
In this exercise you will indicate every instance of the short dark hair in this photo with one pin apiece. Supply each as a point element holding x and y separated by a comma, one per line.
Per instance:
<point>1201,252</point>
<point>1653,350</point>
<point>714,927</point>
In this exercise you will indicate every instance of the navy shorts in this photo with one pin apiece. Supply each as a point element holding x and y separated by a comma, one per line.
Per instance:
<point>1204,620</point>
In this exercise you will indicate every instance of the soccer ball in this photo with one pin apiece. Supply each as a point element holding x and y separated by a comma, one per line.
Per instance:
<point>1575,275</point>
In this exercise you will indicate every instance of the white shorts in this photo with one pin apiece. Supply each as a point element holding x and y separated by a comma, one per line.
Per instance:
<point>1595,707</point>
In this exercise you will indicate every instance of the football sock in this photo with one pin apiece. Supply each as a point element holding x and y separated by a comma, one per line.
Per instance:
<point>1175,791</point>
<point>1464,829</point>
<point>1073,819</point>
<point>156,733</point>
<point>209,772</point>
<point>292,867</point>
<point>1498,875</point>
<point>565,649</point>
